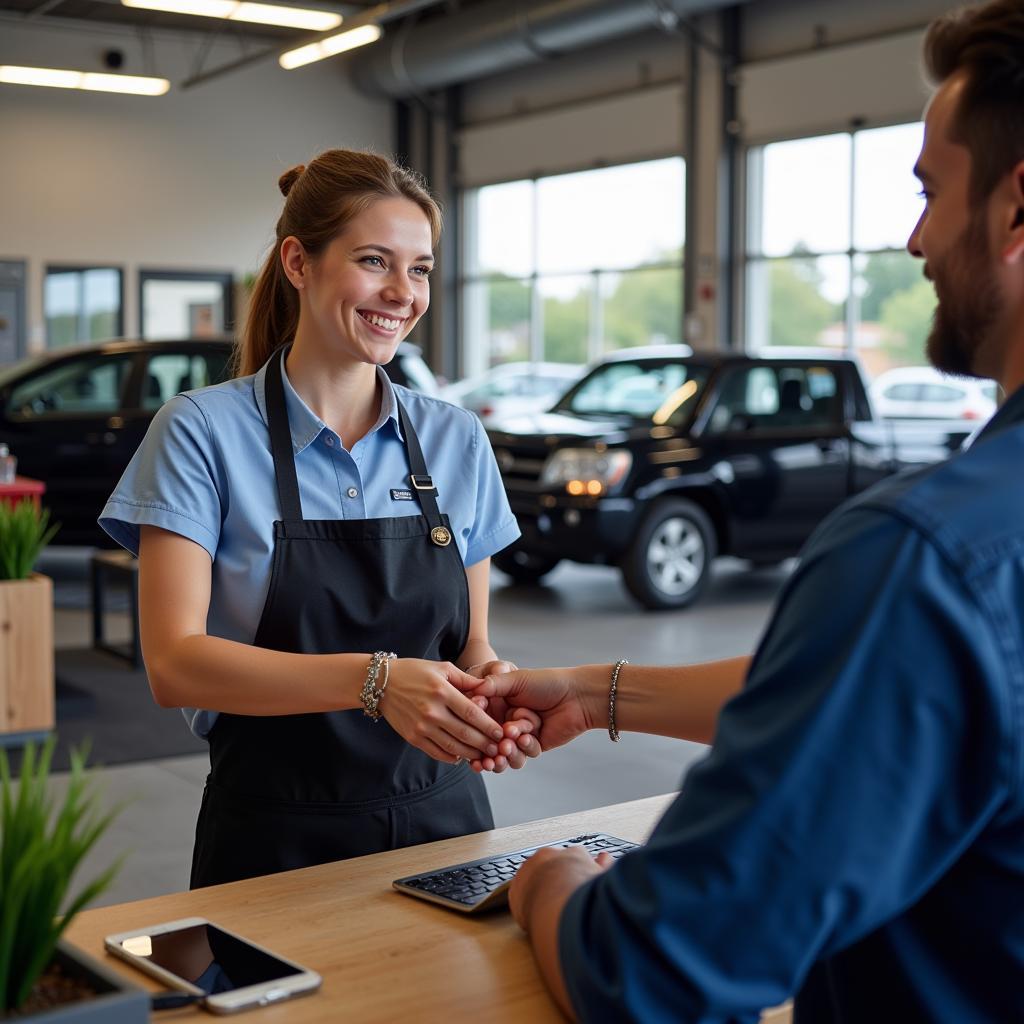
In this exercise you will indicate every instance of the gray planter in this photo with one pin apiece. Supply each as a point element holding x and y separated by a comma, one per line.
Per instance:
<point>119,1002</point>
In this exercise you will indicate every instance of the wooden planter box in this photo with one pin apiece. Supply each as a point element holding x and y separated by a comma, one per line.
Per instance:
<point>26,658</point>
<point>116,1002</point>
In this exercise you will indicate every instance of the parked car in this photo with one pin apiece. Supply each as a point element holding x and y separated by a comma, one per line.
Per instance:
<point>74,417</point>
<point>513,388</point>
<point>659,460</point>
<point>912,392</point>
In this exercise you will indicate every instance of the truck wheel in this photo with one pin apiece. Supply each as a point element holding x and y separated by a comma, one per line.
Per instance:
<point>523,566</point>
<point>670,560</point>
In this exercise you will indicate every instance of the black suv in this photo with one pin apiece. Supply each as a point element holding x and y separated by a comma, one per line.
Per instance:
<point>74,417</point>
<point>659,459</point>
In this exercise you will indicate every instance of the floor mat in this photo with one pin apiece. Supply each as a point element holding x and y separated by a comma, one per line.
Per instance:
<point>102,699</point>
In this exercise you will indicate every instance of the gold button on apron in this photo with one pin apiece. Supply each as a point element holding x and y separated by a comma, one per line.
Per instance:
<point>440,536</point>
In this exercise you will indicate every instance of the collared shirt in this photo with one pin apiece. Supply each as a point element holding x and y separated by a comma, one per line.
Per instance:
<point>856,834</point>
<point>205,471</point>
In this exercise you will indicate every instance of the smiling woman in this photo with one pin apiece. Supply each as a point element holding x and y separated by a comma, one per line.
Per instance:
<point>304,533</point>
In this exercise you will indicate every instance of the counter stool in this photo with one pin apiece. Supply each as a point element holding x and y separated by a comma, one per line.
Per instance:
<point>122,567</point>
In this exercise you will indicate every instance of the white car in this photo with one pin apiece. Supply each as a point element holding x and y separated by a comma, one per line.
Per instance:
<point>512,389</point>
<point>921,392</point>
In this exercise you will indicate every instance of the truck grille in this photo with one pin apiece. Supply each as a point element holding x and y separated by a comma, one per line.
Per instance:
<point>520,470</point>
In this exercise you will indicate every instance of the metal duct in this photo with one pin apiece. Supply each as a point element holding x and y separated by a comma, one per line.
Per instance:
<point>419,56</point>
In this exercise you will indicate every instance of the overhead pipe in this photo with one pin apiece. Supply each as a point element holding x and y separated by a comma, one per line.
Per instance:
<point>500,35</point>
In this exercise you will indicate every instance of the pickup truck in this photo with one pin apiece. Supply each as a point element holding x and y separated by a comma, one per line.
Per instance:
<point>660,459</point>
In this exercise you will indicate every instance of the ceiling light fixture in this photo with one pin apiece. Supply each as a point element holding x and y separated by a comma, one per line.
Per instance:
<point>56,78</point>
<point>239,10</point>
<point>329,47</point>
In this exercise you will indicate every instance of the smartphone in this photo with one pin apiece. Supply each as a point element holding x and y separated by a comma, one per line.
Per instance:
<point>200,958</point>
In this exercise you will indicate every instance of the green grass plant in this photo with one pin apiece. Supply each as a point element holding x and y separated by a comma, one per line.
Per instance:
<point>24,532</point>
<point>41,846</point>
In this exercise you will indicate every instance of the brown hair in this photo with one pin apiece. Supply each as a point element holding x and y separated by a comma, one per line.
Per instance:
<point>986,42</point>
<point>320,200</point>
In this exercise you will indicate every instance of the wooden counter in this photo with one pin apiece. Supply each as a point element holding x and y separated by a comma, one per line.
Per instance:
<point>384,957</point>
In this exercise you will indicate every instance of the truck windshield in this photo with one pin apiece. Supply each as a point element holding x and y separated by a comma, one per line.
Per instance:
<point>660,390</point>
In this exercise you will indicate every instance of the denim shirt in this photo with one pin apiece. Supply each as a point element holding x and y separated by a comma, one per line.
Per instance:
<point>856,834</point>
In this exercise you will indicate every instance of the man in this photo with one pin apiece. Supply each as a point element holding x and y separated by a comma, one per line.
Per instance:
<point>856,835</point>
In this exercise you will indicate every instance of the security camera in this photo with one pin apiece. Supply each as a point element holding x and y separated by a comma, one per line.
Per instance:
<point>113,59</point>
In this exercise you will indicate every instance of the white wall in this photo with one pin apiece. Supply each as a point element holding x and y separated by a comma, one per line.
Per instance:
<point>183,181</point>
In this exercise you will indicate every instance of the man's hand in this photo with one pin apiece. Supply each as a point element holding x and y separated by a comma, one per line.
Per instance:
<point>558,698</point>
<point>537,896</point>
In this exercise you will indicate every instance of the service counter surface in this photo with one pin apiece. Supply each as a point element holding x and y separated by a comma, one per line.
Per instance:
<point>384,957</point>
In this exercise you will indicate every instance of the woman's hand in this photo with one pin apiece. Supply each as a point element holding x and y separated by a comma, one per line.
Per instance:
<point>425,705</point>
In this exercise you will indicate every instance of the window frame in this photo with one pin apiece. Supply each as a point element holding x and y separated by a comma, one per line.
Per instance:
<point>750,207</point>
<point>472,277</point>
<point>225,278</point>
<point>81,268</point>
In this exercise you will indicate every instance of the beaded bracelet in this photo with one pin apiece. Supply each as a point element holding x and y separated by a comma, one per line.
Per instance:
<point>370,695</point>
<point>613,731</point>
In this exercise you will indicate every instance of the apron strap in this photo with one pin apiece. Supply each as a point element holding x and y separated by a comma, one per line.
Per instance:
<point>281,442</point>
<point>423,487</point>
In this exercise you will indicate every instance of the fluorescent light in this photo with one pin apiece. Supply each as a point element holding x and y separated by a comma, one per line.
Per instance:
<point>291,17</point>
<point>329,47</point>
<point>56,78</point>
<point>234,10</point>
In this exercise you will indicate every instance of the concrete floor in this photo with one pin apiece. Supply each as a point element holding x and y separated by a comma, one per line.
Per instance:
<point>582,614</point>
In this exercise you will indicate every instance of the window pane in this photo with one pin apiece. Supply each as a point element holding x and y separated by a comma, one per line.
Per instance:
<point>182,309</point>
<point>797,301</point>
<point>566,304</point>
<point>502,223</point>
<point>614,217</point>
<point>102,301</point>
<point>887,204</point>
<point>896,304</point>
<point>642,307</point>
<point>497,323</point>
<point>82,305</point>
<point>803,196</point>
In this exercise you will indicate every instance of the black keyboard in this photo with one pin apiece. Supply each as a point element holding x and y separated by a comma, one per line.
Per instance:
<point>480,885</point>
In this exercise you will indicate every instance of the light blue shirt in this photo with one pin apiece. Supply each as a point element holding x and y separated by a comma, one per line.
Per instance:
<point>205,471</point>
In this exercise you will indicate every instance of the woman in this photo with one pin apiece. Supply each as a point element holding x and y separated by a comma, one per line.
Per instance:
<point>299,525</point>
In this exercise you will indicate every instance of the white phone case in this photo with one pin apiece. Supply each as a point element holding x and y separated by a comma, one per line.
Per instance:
<point>303,983</point>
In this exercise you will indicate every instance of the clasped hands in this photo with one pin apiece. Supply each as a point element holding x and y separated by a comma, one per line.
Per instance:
<point>492,715</point>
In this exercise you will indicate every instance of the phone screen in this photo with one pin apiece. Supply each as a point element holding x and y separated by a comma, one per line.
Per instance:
<point>209,958</point>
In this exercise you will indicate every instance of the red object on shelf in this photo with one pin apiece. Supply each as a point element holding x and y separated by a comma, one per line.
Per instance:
<point>23,487</point>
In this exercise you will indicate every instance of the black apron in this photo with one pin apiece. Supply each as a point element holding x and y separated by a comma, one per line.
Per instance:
<point>288,791</point>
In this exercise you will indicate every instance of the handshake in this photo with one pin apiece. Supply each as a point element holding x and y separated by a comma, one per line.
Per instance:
<point>537,709</point>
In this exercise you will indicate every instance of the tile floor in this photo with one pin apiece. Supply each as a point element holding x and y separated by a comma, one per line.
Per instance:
<point>582,614</point>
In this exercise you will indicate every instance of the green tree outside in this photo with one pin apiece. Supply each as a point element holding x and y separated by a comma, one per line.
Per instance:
<point>799,312</point>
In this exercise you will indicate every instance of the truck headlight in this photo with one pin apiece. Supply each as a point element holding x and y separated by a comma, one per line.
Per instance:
<point>584,471</point>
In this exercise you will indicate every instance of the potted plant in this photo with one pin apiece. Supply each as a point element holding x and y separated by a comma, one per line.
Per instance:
<point>26,622</point>
<point>42,980</point>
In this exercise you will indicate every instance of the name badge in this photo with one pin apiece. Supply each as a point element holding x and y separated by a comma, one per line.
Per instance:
<point>400,494</point>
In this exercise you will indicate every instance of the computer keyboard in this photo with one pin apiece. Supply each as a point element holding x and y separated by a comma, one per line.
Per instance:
<point>481,885</point>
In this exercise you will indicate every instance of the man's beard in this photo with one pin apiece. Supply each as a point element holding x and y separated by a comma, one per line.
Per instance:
<point>968,309</point>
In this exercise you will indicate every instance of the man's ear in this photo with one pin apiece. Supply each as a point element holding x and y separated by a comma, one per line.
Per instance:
<point>294,261</point>
<point>1013,244</point>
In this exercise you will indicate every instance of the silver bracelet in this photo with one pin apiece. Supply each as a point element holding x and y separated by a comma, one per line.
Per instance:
<point>370,695</point>
<point>613,689</point>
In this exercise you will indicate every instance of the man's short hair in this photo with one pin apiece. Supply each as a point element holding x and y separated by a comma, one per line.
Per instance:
<point>987,43</point>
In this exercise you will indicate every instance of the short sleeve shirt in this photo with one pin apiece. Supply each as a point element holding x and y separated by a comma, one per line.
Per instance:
<point>205,471</point>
